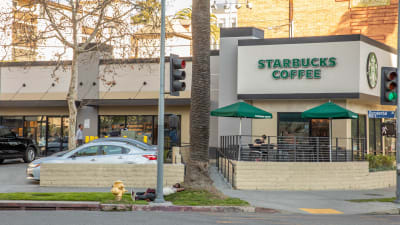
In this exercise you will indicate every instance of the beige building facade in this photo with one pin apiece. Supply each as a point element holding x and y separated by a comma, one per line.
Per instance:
<point>289,76</point>
<point>115,98</point>
<point>282,76</point>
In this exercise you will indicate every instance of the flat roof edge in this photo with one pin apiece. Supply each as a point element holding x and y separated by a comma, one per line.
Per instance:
<point>352,95</point>
<point>317,39</point>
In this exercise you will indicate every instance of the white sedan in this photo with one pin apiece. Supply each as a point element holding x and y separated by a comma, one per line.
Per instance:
<point>96,152</point>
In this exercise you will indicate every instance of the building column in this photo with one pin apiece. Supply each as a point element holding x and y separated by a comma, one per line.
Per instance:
<point>227,80</point>
<point>88,88</point>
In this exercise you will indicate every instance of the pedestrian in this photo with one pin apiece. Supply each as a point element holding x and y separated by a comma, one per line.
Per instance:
<point>150,193</point>
<point>122,128</point>
<point>259,142</point>
<point>79,136</point>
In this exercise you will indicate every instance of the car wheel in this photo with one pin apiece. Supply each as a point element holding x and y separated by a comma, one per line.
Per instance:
<point>30,155</point>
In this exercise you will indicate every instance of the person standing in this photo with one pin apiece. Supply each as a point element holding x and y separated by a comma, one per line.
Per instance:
<point>79,136</point>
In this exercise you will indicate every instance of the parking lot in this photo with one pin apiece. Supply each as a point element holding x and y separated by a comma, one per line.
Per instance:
<point>13,179</point>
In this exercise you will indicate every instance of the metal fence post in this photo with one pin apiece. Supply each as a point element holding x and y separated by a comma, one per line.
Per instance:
<point>337,149</point>
<point>352,150</point>
<point>269,147</point>
<point>317,149</point>
<point>295,150</point>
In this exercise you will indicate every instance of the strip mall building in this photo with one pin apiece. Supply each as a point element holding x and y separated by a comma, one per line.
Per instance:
<point>282,76</point>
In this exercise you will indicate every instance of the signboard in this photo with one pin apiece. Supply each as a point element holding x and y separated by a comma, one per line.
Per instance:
<point>304,68</point>
<point>380,114</point>
<point>368,3</point>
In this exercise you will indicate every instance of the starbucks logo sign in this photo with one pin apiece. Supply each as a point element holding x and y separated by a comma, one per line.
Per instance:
<point>372,70</point>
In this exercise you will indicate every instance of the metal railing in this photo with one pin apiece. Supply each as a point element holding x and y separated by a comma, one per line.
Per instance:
<point>225,166</point>
<point>293,149</point>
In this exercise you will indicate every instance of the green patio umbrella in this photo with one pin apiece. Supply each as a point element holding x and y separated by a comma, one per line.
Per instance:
<point>329,111</point>
<point>241,110</point>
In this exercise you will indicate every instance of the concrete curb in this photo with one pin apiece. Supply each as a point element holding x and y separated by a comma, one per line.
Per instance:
<point>48,205</point>
<point>387,212</point>
<point>96,206</point>
<point>178,208</point>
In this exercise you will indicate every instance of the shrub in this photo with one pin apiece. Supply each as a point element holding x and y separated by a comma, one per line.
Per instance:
<point>380,162</point>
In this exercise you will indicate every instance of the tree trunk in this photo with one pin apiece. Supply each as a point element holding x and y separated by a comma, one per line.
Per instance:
<point>197,169</point>
<point>71,99</point>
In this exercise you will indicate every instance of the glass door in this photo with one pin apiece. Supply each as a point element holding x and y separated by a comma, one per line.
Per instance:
<point>57,134</point>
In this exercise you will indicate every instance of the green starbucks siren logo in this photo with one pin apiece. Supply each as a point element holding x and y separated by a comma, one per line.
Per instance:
<point>372,70</point>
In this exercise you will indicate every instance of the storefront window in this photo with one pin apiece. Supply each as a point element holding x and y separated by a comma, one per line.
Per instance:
<point>291,124</point>
<point>172,131</point>
<point>390,142</point>
<point>375,138</point>
<point>141,127</point>
<point>358,127</point>
<point>16,124</point>
<point>111,126</point>
<point>35,128</point>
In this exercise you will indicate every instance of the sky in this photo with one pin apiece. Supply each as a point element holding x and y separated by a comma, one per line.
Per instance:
<point>174,6</point>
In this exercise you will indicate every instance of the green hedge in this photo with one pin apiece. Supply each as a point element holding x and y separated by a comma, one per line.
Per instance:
<point>380,162</point>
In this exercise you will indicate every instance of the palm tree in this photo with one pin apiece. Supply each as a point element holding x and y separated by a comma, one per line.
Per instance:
<point>197,170</point>
<point>185,16</point>
<point>148,12</point>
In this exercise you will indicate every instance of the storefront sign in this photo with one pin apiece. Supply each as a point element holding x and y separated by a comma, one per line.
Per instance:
<point>372,70</point>
<point>380,114</point>
<point>308,68</point>
<point>368,3</point>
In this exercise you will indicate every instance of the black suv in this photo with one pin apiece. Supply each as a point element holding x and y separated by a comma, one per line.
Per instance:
<point>13,147</point>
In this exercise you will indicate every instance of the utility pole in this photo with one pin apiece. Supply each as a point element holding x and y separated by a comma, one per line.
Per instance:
<point>398,113</point>
<point>160,139</point>
<point>291,19</point>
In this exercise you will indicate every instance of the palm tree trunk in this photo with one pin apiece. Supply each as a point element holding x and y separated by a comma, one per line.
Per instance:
<point>197,170</point>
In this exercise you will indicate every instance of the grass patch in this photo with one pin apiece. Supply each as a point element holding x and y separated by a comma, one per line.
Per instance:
<point>203,198</point>
<point>103,197</point>
<point>374,200</point>
<point>187,197</point>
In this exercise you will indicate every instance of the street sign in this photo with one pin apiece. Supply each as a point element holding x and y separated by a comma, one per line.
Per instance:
<point>381,114</point>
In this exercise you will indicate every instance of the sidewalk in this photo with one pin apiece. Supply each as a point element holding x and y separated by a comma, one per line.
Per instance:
<point>295,201</point>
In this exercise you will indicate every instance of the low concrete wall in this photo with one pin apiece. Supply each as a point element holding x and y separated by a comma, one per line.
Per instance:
<point>309,176</point>
<point>104,175</point>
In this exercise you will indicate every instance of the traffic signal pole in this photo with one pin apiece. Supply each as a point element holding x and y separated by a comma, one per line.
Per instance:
<point>160,139</point>
<point>398,113</point>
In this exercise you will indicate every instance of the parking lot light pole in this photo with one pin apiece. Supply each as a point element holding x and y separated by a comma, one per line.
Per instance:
<point>160,139</point>
<point>398,113</point>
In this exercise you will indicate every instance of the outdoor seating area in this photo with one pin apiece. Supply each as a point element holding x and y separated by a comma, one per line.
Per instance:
<point>292,149</point>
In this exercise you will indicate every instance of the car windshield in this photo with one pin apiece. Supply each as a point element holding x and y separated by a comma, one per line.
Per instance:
<point>142,147</point>
<point>59,154</point>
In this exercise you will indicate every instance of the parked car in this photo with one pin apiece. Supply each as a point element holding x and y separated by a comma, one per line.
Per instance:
<point>54,144</point>
<point>105,152</point>
<point>13,147</point>
<point>137,143</point>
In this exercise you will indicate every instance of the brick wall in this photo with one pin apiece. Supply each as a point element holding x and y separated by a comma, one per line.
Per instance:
<point>321,18</point>
<point>309,176</point>
<point>104,175</point>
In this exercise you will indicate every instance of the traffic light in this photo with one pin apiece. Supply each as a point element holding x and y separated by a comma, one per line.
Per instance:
<point>389,86</point>
<point>177,75</point>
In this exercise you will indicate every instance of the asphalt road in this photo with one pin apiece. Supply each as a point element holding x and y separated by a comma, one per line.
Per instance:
<point>170,218</point>
<point>13,179</point>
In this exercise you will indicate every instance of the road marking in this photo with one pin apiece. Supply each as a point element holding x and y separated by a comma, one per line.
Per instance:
<point>321,211</point>
<point>228,222</point>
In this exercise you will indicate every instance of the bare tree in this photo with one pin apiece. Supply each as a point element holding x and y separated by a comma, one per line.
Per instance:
<point>73,27</point>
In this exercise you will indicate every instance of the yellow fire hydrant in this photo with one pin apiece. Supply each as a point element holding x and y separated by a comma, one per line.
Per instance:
<point>118,189</point>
